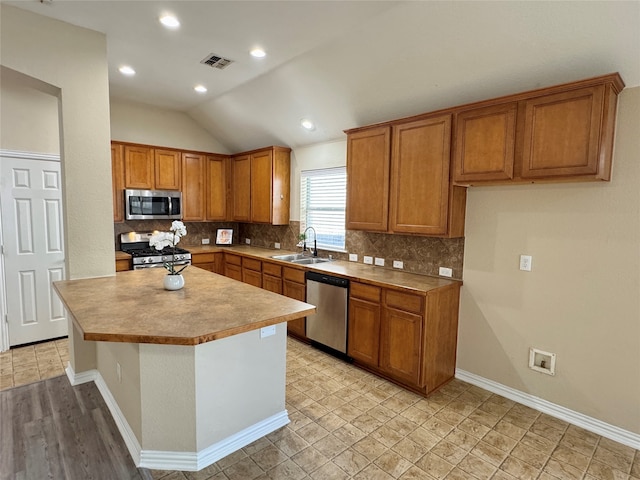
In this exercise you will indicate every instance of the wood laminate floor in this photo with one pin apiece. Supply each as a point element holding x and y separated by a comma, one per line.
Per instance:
<point>345,424</point>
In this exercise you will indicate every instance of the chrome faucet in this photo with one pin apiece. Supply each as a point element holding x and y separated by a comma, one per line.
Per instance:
<point>315,243</point>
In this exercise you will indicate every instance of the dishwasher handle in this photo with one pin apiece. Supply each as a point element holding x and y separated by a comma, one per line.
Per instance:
<point>324,278</point>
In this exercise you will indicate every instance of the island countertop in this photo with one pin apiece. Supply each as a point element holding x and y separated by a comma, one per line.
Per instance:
<point>134,307</point>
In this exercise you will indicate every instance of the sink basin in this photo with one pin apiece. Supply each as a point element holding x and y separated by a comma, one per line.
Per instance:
<point>310,261</point>
<point>291,257</point>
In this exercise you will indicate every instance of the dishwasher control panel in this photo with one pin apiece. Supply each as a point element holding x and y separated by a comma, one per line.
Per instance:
<point>329,279</point>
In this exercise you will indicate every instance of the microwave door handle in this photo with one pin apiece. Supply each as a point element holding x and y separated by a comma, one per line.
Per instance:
<point>170,207</point>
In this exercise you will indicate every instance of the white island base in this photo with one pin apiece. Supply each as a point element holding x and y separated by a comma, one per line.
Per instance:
<point>186,407</point>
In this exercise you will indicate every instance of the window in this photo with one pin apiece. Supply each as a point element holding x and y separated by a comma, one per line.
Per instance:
<point>323,198</point>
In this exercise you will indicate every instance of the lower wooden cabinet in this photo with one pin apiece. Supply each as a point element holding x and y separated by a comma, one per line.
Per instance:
<point>252,271</point>
<point>294,286</point>
<point>272,277</point>
<point>233,266</point>
<point>408,338</point>
<point>206,261</point>
<point>123,264</point>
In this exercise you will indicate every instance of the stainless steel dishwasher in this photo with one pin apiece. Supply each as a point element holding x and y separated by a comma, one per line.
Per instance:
<point>328,326</point>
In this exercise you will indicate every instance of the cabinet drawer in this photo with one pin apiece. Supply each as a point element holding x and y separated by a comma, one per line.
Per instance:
<point>271,269</point>
<point>293,275</point>
<point>403,301</point>
<point>197,258</point>
<point>251,264</point>
<point>232,259</point>
<point>365,292</point>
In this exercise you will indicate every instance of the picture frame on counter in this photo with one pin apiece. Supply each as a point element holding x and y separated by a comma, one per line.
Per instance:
<point>224,236</point>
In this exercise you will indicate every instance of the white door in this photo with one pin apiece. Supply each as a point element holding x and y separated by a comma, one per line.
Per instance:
<point>33,250</point>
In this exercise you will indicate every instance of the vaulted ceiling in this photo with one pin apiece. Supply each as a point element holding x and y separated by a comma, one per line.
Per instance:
<point>344,64</point>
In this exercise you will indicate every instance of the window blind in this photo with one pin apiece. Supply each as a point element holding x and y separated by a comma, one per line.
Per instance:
<point>323,196</point>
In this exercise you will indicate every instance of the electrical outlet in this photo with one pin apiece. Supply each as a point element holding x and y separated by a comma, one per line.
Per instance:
<point>525,263</point>
<point>379,262</point>
<point>205,241</point>
<point>353,257</point>
<point>398,264</point>
<point>445,272</point>
<point>368,260</point>
<point>267,331</point>
<point>119,372</point>
<point>276,246</point>
<point>247,241</point>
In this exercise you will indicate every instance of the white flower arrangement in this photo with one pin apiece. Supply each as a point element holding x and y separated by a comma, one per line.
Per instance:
<point>160,240</point>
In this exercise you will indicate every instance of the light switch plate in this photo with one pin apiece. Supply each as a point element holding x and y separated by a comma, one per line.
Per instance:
<point>353,257</point>
<point>525,263</point>
<point>398,264</point>
<point>267,331</point>
<point>379,262</point>
<point>368,260</point>
<point>276,246</point>
<point>205,241</point>
<point>445,272</point>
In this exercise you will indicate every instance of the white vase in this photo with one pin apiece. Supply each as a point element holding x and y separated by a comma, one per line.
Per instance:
<point>173,282</point>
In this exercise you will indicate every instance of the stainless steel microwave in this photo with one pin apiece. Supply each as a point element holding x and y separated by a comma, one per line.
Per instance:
<point>152,204</point>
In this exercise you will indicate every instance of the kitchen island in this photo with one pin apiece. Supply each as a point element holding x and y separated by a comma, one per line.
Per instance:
<point>191,375</point>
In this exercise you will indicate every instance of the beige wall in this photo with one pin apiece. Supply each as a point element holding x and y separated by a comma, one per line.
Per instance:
<point>28,117</point>
<point>137,123</point>
<point>582,298</point>
<point>74,61</point>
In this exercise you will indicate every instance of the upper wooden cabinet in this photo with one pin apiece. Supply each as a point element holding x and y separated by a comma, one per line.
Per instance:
<point>398,179</point>
<point>217,167</point>
<point>117,181</point>
<point>147,168</point>
<point>555,134</point>
<point>485,143</point>
<point>368,157</point>
<point>261,186</point>
<point>193,187</point>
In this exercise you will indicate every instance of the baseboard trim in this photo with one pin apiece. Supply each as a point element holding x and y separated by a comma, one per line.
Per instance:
<point>78,378</point>
<point>591,424</point>
<point>191,461</point>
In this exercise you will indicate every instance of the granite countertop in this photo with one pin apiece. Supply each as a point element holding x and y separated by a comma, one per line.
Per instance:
<point>134,307</point>
<point>379,276</point>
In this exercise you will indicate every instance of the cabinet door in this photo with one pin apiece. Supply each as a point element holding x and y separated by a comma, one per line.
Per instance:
<point>117,179</point>
<point>271,283</point>
<point>252,277</point>
<point>167,169</point>
<point>233,271</point>
<point>420,176</point>
<point>364,331</point>
<point>193,179</point>
<point>368,154</point>
<point>241,188</point>
<point>261,186</point>
<point>138,167</point>
<point>206,261</point>
<point>400,345</point>
<point>562,133</point>
<point>485,143</point>
<point>297,291</point>
<point>216,189</point>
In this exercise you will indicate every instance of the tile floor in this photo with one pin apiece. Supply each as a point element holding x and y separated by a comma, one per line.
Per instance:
<point>349,424</point>
<point>23,365</point>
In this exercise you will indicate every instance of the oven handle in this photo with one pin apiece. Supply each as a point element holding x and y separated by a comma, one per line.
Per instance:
<point>159,265</point>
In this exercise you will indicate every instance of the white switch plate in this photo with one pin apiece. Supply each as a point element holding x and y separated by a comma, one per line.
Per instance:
<point>379,262</point>
<point>205,241</point>
<point>247,241</point>
<point>368,260</point>
<point>398,264</point>
<point>276,246</point>
<point>267,331</point>
<point>353,257</point>
<point>525,263</point>
<point>445,272</point>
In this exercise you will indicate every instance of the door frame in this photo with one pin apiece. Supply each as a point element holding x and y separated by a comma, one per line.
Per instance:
<point>4,326</point>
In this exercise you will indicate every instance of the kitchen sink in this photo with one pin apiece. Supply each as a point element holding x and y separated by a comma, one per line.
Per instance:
<point>300,259</point>
<point>310,261</point>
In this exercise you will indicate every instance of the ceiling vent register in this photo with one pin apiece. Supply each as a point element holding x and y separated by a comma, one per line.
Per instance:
<point>216,61</point>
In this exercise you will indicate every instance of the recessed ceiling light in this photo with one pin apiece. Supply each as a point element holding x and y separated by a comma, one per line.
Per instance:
<point>258,52</point>
<point>127,70</point>
<point>169,21</point>
<point>200,89</point>
<point>308,124</point>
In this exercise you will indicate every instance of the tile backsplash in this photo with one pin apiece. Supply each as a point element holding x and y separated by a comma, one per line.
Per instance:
<point>422,255</point>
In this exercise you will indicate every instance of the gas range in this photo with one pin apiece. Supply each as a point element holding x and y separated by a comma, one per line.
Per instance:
<point>144,256</point>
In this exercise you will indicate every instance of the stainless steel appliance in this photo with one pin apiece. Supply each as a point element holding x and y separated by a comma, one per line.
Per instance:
<point>328,326</point>
<point>152,204</point>
<point>145,256</point>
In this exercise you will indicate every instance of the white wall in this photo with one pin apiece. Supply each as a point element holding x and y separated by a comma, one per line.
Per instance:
<point>582,298</point>
<point>28,117</point>
<point>137,123</point>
